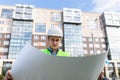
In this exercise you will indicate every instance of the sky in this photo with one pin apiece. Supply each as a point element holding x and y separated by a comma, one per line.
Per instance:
<point>98,6</point>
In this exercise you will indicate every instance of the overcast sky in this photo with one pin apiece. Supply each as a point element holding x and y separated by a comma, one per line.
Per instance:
<point>84,5</point>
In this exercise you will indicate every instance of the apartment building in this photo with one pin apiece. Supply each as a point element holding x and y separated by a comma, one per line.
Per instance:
<point>85,33</point>
<point>111,23</point>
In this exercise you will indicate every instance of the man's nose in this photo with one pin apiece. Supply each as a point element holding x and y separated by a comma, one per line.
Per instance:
<point>55,42</point>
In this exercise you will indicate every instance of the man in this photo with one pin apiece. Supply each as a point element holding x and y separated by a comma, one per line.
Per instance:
<point>54,38</point>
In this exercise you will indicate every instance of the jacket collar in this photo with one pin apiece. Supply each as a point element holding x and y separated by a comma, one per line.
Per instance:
<point>51,51</point>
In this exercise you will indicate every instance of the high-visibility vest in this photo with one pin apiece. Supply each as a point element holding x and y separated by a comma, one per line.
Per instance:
<point>59,53</point>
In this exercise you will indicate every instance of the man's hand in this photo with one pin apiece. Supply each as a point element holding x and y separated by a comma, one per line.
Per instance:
<point>8,75</point>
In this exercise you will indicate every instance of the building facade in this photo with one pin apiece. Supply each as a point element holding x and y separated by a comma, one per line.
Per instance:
<point>111,22</point>
<point>21,31</point>
<point>93,34</point>
<point>72,31</point>
<point>84,33</point>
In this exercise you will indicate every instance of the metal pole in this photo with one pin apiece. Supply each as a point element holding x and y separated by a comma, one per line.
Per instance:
<point>94,51</point>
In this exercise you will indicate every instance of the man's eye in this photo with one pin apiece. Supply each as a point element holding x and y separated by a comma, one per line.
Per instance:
<point>57,40</point>
<point>53,40</point>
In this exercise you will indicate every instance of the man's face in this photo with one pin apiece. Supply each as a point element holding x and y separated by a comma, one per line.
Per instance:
<point>54,42</point>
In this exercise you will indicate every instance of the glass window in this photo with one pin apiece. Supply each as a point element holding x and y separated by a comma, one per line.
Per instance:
<point>103,46</point>
<point>7,64</point>
<point>84,39</point>
<point>3,49</point>
<point>43,43</point>
<point>84,45</point>
<point>116,16</point>
<point>27,16</point>
<point>6,43</point>
<point>21,34</point>
<point>96,40</point>
<point>9,22</point>
<point>102,40</point>
<point>68,12</point>
<point>76,18</point>
<point>118,64</point>
<point>91,45</point>
<point>36,37</point>
<point>85,51</point>
<point>1,28</point>
<point>74,43</point>
<point>28,10</point>
<point>9,29</point>
<point>97,45</point>
<point>19,9</point>
<point>91,52</point>
<point>90,39</point>
<point>68,18</point>
<point>56,16</point>
<point>1,22</point>
<point>114,41</point>
<point>40,27</point>
<point>77,13</point>
<point>43,37</point>
<point>7,13</point>
<point>116,22</point>
<point>110,21</point>
<point>109,16</point>
<point>3,56</point>
<point>0,35</point>
<point>35,43</point>
<point>7,35</point>
<point>98,52</point>
<point>18,15</point>
<point>91,25</point>
<point>59,25</point>
<point>104,51</point>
